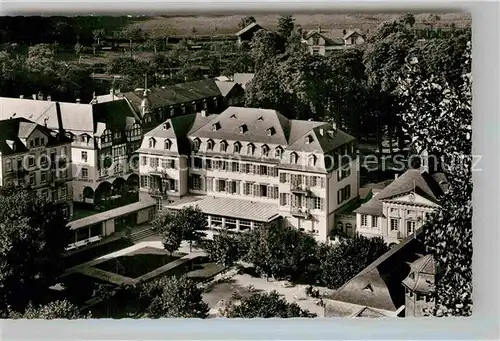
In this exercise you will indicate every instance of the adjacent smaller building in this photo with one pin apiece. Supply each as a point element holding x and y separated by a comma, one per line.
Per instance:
<point>35,157</point>
<point>400,209</point>
<point>418,287</point>
<point>246,34</point>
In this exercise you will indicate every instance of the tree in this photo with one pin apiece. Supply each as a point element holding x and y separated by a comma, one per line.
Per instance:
<point>286,26</point>
<point>171,233</point>
<point>193,224</point>
<point>280,251</point>
<point>341,262</point>
<point>172,297</point>
<point>97,35</point>
<point>244,22</point>
<point>225,249</point>
<point>385,56</point>
<point>133,33</point>
<point>33,237</point>
<point>266,305</point>
<point>439,119</point>
<point>53,310</point>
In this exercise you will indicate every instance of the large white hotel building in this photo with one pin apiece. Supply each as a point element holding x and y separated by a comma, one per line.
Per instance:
<point>245,167</point>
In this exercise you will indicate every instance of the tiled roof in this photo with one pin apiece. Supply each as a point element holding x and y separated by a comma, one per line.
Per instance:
<point>248,28</point>
<point>225,87</point>
<point>423,270</point>
<point>290,134</point>
<point>75,117</point>
<point>176,94</point>
<point>379,284</point>
<point>14,131</point>
<point>423,183</point>
<point>372,207</point>
<point>243,78</point>
<point>233,208</point>
<point>332,37</point>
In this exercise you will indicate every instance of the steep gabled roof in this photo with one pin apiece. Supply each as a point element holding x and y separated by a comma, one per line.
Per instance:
<point>332,37</point>
<point>424,184</point>
<point>225,87</point>
<point>351,32</point>
<point>379,284</point>
<point>13,133</point>
<point>422,272</point>
<point>257,121</point>
<point>249,27</point>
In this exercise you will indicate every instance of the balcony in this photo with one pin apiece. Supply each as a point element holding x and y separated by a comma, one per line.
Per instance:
<point>299,188</point>
<point>300,212</point>
<point>157,193</point>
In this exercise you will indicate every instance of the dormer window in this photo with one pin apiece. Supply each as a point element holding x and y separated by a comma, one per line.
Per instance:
<point>205,104</point>
<point>260,119</point>
<point>265,150</point>
<point>166,125</point>
<point>250,149</point>
<point>210,145</point>
<point>183,108</point>
<point>216,126</point>
<point>152,143</point>
<point>278,152</point>
<point>294,158</point>
<point>168,144</point>
<point>271,131</point>
<point>331,133</point>
<point>311,160</point>
<point>216,102</point>
<point>196,144</point>
<point>308,139</point>
<point>223,146</point>
<point>243,128</point>
<point>237,147</point>
<point>172,111</point>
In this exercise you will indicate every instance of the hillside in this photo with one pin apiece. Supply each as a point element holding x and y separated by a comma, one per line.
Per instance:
<point>162,26</point>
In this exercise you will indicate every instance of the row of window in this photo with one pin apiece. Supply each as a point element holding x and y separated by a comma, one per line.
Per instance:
<point>37,142</point>
<point>364,221</point>
<point>343,194</point>
<point>236,187</point>
<point>396,212</point>
<point>154,162</point>
<point>312,202</point>
<point>299,179</point>
<point>248,168</point>
<point>411,225</point>
<point>343,173</point>
<point>162,185</point>
<point>161,113</point>
<point>167,144</point>
<point>54,194</point>
<point>231,223</point>
<point>108,135</point>
<point>44,159</point>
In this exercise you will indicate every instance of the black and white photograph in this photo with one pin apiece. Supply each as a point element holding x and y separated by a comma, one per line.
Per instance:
<point>236,166</point>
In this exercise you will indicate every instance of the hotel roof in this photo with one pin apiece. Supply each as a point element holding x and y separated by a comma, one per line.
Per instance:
<point>232,208</point>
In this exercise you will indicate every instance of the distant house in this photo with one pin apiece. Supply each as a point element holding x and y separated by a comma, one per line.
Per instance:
<point>246,34</point>
<point>243,78</point>
<point>354,37</point>
<point>324,42</point>
<point>400,209</point>
<point>385,284</point>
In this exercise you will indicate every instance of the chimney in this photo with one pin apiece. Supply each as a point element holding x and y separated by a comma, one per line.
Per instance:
<point>319,28</point>
<point>49,98</point>
<point>59,120</point>
<point>204,113</point>
<point>396,176</point>
<point>34,96</point>
<point>40,95</point>
<point>77,100</point>
<point>344,32</point>
<point>21,96</point>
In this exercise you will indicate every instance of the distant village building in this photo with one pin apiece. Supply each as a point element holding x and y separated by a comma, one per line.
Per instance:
<point>246,34</point>
<point>36,157</point>
<point>324,42</point>
<point>247,166</point>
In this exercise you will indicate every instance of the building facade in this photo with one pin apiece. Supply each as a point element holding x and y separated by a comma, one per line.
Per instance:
<point>247,166</point>
<point>104,135</point>
<point>419,296</point>
<point>37,158</point>
<point>324,42</point>
<point>400,209</point>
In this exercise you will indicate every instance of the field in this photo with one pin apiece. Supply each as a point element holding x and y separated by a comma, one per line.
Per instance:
<point>163,26</point>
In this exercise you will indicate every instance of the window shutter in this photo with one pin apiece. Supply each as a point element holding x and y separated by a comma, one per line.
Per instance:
<point>339,196</point>
<point>176,185</point>
<point>275,191</point>
<point>244,188</point>
<point>251,168</point>
<point>216,185</point>
<point>237,185</point>
<point>256,190</point>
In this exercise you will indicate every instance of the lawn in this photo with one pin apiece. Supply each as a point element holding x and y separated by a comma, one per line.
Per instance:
<point>138,263</point>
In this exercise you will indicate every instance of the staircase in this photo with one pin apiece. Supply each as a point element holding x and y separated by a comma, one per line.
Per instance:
<point>136,236</point>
